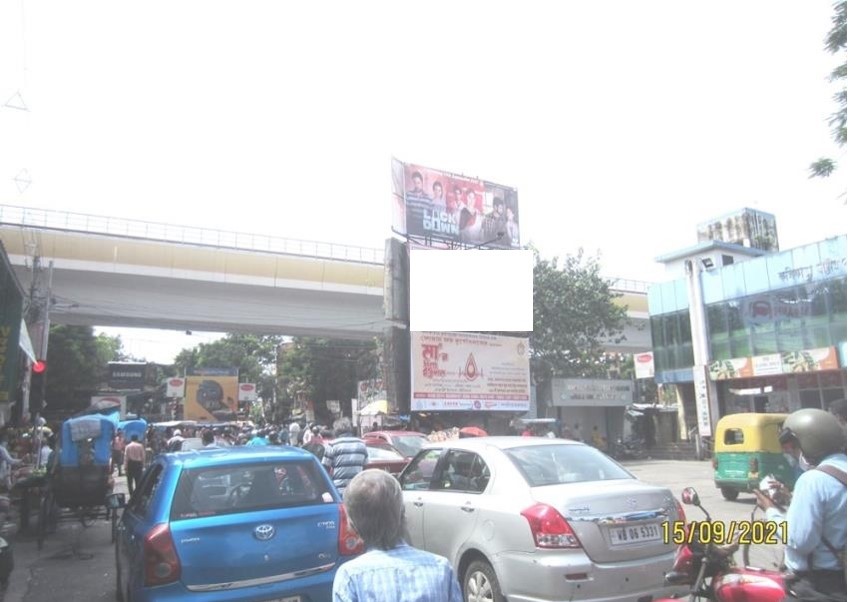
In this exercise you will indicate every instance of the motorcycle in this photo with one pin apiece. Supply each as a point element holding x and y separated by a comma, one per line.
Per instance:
<point>632,449</point>
<point>710,572</point>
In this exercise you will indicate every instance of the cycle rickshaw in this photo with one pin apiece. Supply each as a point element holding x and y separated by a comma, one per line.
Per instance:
<point>80,479</point>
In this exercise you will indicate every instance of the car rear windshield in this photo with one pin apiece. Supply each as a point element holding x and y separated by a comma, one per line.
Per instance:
<point>212,491</point>
<point>409,446</point>
<point>557,464</point>
<point>382,453</point>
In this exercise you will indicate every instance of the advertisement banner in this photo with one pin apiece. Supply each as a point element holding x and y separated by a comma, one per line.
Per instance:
<point>369,390</point>
<point>247,392</point>
<point>789,362</point>
<point>175,387</point>
<point>643,364</point>
<point>445,208</point>
<point>810,360</point>
<point>467,371</point>
<point>211,397</point>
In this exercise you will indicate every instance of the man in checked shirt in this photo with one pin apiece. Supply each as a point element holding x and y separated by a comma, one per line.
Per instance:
<point>390,570</point>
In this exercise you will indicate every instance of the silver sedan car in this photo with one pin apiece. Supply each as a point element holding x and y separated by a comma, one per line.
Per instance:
<point>534,519</point>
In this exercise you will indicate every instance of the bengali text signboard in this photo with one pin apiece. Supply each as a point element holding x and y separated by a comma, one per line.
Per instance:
<point>467,371</point>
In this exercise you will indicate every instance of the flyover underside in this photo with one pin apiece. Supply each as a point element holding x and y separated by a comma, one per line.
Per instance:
<point>109,299</point>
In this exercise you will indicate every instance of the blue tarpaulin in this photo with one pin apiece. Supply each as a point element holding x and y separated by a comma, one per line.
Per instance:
<point>98,427</point>
<point>133,427</point>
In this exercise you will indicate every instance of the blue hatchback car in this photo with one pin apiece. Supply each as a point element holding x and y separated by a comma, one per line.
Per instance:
<point>242,523</point>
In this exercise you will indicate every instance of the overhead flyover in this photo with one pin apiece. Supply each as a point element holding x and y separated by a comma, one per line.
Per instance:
<point>127,273</point>
<point>115,272</point>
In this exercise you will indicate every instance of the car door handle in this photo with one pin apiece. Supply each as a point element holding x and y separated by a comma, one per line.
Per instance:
<point>467,508</point>
<point>418,503</point>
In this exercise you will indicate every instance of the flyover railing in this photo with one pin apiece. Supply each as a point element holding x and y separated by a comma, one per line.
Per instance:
<point>116,226</point>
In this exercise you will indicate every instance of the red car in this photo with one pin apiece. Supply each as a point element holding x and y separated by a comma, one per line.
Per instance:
<point>385,457</point>
<point>408,443</point>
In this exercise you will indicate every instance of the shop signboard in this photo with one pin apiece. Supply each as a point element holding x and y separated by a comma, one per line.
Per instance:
<point>702,401</point>
<point>443,209</point>
<point>175,387</point>
<point>460,371</point>
<point>602,392</point>
<point>127,375</point>
<point>643,364</point>
<point>211,395</point>
<point>247,392</point>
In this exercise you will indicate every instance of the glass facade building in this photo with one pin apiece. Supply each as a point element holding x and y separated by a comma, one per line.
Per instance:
<point>777,323</point>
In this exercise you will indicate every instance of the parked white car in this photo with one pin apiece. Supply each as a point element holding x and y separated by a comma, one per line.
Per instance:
<point>532,519</point>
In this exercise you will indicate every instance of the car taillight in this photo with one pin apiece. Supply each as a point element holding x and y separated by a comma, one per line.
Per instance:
<point>681,515</point>
<point>549,528</point>
<point>161,563</point>
<point>715,462</point>
<point>754,465</point>
<point>349,541</point>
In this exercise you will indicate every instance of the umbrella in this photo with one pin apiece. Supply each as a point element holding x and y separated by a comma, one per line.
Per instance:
<point>472,431</point>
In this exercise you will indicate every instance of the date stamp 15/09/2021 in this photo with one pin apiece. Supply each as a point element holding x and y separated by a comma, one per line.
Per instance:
<point>721,533</point>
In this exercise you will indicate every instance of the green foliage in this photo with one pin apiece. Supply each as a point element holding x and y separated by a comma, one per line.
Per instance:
<point>326,369</point>
<point>835,43</point>
<point>77,364</point>
<point>253,355</point>
<point>573,315</point>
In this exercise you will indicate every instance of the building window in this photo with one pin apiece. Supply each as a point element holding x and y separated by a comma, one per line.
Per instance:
<point>726,259</point>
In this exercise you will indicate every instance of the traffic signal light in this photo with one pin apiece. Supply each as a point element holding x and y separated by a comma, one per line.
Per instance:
<point>37,385</point>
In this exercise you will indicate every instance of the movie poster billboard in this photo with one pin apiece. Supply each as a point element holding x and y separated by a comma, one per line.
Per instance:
<point>211,395</point>
<point>461,371</point>
<point>445,209</point>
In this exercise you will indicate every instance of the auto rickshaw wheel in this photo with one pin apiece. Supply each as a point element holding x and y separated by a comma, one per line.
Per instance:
<point>729,493</point>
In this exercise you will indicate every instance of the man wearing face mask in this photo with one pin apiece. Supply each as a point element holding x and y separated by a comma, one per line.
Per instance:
<point>816,517</point>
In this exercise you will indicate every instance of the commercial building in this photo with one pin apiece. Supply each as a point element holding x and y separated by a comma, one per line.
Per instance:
<point>747,329</point>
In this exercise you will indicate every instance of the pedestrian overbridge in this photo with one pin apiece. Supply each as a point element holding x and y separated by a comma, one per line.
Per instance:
<point>116,272</point>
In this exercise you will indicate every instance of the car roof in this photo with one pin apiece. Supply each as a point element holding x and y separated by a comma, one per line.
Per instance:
<point>396,433</point>
<point>501,442</point>
<point>217,456</point>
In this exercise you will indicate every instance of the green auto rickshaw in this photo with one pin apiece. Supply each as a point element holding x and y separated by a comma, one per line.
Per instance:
<point>747,449</point>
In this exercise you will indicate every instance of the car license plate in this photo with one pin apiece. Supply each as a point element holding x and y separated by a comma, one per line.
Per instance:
<point>622,536</point>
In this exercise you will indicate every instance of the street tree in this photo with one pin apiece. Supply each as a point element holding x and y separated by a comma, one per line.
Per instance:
<point>319,370</point>
<point>835,44</point>
<point>77,362</point>
<point>574,316</point>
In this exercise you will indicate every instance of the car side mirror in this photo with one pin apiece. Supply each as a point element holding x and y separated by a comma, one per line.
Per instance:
<point>690,497</point>
<point>114,501</point>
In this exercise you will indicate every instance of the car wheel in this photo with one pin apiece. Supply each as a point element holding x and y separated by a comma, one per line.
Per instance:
<point>481,584</point>
<point>729,494</point>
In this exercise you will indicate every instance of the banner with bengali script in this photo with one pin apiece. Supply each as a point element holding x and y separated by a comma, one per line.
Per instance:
<point>467,371</point>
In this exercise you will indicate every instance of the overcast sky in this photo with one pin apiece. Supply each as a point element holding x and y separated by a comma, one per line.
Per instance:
<point>622,124</point>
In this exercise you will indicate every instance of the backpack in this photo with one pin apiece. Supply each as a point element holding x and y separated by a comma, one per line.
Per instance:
<point>839,476</point>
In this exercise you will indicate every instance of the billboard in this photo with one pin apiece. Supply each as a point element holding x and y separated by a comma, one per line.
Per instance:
<point>247,392</point>
<point>471,372</point>
<point>460,290</point>
<point>446,209</point>
<point>211,395</point>
<point>643,364</point>
<point>175,387</point>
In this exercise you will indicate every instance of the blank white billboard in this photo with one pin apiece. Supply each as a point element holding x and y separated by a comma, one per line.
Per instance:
<point>471,290</point>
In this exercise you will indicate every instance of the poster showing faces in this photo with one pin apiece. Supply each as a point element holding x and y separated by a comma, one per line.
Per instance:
<point>443,208</point>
